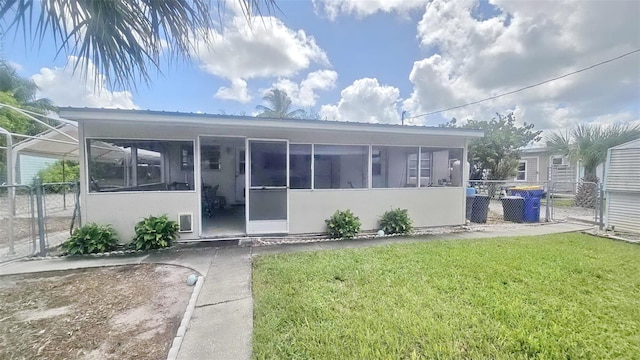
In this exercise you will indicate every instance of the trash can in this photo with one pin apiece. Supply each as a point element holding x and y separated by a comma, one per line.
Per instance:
<point>513,208</point>
<point>480,209</point>
<point>532,196</point>
<point>471,194</point>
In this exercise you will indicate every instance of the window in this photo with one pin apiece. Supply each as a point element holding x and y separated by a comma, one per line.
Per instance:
<point>210,157</point>
<point>341,166</point>
<point>138,165</point>
<point>299,166</point>
<point>390,166</point>
<point>521,174</point>
<point>557,160</point>
<point>425,169</point>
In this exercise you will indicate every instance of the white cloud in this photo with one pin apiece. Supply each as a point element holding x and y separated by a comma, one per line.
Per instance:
<point>238,91</point>
<point>362,8</point>
<point>526,43</point>
<point>66,88</point>
<point>261,47</point>
<point>304,94</point>
<point>365,101</point>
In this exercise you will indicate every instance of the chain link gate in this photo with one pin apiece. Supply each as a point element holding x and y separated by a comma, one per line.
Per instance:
<point>17,221</point>
<point>503,202</point>
<point>35,219</point>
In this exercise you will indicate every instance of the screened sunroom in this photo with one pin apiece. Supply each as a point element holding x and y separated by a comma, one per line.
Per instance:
<point>231,176</point>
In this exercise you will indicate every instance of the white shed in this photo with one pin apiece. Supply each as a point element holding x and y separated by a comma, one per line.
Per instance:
<point>622,187</point>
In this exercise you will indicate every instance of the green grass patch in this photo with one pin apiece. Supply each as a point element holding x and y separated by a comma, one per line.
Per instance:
<point>561,202</point>
<point>567,296</point>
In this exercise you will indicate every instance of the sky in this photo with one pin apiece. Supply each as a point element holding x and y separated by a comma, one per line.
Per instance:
<point>370,60</point>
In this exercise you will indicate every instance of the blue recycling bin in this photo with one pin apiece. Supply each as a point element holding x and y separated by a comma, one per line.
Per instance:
<point>532,196</point>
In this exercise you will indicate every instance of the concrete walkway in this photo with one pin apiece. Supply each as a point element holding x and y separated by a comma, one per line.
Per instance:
<point>222,322</point>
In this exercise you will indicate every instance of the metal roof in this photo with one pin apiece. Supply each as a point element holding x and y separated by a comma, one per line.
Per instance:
<point>152,116</point>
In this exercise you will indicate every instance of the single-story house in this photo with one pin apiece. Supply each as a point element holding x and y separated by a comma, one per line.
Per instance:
<point>622,187</point>
<point>229,176</point>
<point>542,165</point>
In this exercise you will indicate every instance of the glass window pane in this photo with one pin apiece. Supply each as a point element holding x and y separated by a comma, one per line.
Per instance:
<point>139,165</point>
<point>300,166</point>
<point>441,167</point>
<point>268,163</point>
<point>341,166</point>
<point>394,167</point>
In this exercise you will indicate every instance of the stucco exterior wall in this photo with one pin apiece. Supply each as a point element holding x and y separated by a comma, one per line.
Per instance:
<point>124,210</point>
<point>435,206</point>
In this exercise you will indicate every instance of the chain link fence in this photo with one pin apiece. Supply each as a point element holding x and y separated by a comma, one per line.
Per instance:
<point>500,202</point>
<point>17,222</point>
<point>35,219</point>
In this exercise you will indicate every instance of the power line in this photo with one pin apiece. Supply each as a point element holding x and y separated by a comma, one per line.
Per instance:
<point>526,87</point>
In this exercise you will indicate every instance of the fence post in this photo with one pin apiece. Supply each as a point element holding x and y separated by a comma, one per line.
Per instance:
<point>32,207</point>
<point>549,196</point>
<point>38,185</point>
<point>601,203</point>
<point>12,213</point>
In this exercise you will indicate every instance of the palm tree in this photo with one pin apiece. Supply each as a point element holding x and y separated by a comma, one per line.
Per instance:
<point>23,90</point>
<point>124,39</point>
<point>588,144</point>
<point>280,106</point>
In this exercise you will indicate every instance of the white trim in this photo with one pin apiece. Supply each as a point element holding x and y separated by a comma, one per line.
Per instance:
<point>88,185</point>
<point>256,227</point>
<point>526,168</point>
<point>241,122</point>
<point>370,168</point>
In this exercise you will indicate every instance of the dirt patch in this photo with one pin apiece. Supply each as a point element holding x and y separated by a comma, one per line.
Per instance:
<point>124,312</point>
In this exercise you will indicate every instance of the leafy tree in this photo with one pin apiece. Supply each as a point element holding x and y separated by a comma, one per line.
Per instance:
<point>19,92</point>
<point>55,173</point>
<point>22,90</point>
<point>124,39</point>
<point>589,143</point>
<point>279,106</point>
<point>498,152</point>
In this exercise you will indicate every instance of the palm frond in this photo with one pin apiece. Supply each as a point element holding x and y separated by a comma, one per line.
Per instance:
<point>124,39</point>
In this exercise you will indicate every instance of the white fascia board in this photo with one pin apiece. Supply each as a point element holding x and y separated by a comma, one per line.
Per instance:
<point>146,117</point>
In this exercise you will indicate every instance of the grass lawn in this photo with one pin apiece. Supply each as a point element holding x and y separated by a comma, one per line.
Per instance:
<point>561,202</point>
<point>567,296</point>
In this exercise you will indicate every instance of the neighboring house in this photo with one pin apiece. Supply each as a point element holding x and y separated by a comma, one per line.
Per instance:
<point>622,187</point>
<point>223,176</point>
<point>540,165</point>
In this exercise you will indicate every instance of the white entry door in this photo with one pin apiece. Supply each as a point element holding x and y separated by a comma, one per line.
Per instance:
<point>240,193</point>
<point>268,179</point>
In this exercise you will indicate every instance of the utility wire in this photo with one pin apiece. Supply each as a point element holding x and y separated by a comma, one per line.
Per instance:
<point>526,87</point>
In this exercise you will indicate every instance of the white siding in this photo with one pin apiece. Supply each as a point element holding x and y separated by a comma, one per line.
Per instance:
<point>624,170</point>
<point>622,185</point>
<point>624,211</point>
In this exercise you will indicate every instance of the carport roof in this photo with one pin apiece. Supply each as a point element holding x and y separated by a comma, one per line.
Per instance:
<point>52,143</point>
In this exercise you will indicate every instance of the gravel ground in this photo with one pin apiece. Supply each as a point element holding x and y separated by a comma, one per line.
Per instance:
<point>126,312</point>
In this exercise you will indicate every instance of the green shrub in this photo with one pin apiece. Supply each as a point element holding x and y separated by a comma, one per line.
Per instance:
<point>155,232</point>
<point>396,221</point>
<point>91,238</point>
<point>343,224</point>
